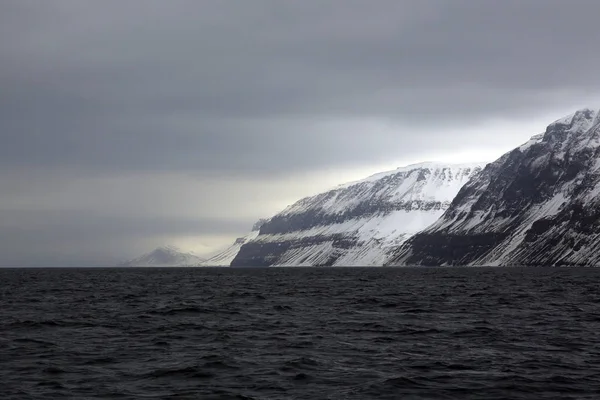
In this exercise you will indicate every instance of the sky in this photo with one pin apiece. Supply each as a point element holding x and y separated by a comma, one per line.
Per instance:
<point>125,125</point>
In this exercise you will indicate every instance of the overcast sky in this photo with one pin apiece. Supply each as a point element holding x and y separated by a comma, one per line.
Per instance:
<point>127,124</point>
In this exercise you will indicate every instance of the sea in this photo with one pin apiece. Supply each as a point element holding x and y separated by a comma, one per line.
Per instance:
<point>300,333</point>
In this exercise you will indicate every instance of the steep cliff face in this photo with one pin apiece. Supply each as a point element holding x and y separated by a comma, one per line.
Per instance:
<point>537,205</point>
<point>357,223</point>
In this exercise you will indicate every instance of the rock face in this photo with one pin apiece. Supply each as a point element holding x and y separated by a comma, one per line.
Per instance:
<point>358,223</point>
<point>537,205</point>
<point>225,257</point>
<point>165,256</point>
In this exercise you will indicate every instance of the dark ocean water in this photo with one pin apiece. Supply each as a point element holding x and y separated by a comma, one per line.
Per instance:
<point>464,333</point>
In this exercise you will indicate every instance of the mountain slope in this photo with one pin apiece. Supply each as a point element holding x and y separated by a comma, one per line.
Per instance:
<point>165,256</point>
<point>357,223</point>
<point>224,257</point>
<point>537,205</point>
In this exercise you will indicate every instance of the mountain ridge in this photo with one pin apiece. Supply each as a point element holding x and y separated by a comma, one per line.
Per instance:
<point>538,204</point>
<point>358,222</point>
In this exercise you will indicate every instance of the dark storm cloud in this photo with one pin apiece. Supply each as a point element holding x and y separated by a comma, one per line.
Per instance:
<point>196,85</point>
<point>260,90</point>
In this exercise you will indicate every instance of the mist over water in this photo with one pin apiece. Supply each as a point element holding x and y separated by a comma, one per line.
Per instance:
<point>306,333</point>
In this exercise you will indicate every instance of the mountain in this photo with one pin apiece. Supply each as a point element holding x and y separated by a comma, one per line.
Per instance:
<point>224,257</point>
<point>165,256</point>
<point>537,205</point>
<point>358,223</point>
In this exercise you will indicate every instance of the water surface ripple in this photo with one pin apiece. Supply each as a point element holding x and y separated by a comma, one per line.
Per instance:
<point>346,333</point>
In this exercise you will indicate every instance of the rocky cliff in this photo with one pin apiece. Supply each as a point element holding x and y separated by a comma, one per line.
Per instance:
<point>537,205</point>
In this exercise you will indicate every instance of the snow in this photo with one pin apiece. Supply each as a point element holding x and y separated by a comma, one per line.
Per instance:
<point>578,127</point>
<point>382,226</point>
<point>594,193</point>
<point>419,182</point>
<point>534,140</point>
<point>581,122</point>
<point>564,120</point>
<point>306,256</point>
<point>503,252</point>
<point>578,120</point>
<point>412,167</point>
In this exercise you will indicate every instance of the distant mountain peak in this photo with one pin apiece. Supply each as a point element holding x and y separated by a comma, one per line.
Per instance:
<point>584,114</point>
<point>577,123</point>
<point>165,256</point>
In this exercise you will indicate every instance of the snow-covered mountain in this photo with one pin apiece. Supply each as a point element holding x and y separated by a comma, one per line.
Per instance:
<point>358,223</point>
<point>224,257</point>
<point>165,256</point>
<point>537,205</point>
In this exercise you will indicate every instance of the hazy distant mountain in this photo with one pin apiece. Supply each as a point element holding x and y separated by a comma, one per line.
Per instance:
<point>358,223</point>
<point>165,256</point>
<point>537,205</point>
